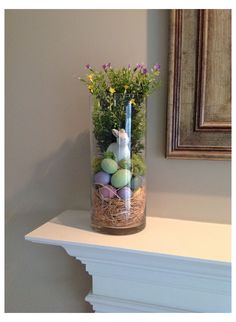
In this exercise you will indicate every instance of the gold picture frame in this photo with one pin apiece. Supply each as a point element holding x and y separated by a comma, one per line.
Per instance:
<point>199,93</point>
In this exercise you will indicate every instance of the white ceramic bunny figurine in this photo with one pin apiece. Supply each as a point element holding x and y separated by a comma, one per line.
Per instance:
<point>121,147</point>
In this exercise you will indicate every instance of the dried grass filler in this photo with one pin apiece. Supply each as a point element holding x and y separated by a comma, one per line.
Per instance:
<point>119,213</point>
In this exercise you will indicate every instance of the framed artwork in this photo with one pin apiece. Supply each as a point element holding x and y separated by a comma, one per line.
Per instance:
<point>199,93</point>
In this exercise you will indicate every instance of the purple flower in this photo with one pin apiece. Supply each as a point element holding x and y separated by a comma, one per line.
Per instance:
<point>87,66</point>
<point>157,67</point>
<point>106,66</point>
<point>145,71</point>
<point>129,66</point>
<point>139,66</point>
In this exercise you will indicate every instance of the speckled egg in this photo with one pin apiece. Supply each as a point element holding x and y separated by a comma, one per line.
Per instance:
<point>125,193</point>
<point>121,178</point>
<point>107,192</point>
<point>101,177</point>
<point>136,182</point>
<point>125,163</point>
<point>109,165</point>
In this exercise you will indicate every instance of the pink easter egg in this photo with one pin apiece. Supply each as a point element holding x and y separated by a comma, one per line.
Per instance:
<point>107,192</point>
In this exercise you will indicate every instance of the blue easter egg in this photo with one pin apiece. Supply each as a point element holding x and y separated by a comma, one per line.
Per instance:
<point>101,177</point>
<point>136,182</point>
<point>125,193</point>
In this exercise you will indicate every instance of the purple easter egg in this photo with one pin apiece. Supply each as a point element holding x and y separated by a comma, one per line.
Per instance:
<point>107,192</point>
<point>101,178</point>
<point>125,193</point>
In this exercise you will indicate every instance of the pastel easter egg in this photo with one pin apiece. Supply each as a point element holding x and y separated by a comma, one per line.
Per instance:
<point>136,182</point>
<point>125,193</point>
<point>109,165</point>
<point>107,192</point>
<point>101,178</point>
<point>125,163</point>
<point>121,178</point>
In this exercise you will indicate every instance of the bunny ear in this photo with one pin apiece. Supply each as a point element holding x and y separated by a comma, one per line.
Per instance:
<point>115,133</point>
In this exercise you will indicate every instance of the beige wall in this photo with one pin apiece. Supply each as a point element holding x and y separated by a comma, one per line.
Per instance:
<point>47,143</point>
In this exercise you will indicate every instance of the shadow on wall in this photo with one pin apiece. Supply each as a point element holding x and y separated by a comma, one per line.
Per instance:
<point>42,278</point>
<point>157,20</point>
<point>59,182</point>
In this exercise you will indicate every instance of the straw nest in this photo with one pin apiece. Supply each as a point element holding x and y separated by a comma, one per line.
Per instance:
<point>118,213</point>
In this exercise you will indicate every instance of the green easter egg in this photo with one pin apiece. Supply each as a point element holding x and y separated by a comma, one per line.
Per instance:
<point>125,163</point>
<point>108,165</point>
<point>121,178</point>
<point>136,182</point>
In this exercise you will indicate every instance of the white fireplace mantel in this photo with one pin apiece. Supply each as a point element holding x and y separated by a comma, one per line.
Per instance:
<point>170,266</point>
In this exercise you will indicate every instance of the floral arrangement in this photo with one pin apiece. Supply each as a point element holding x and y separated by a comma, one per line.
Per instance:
<point>118,115</point>
<point>137,81</point>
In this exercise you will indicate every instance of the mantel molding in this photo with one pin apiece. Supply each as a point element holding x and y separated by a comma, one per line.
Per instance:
<point>132,280</point>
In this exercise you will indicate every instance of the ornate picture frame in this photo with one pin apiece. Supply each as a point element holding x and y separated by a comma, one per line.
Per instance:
<point>199,93</point>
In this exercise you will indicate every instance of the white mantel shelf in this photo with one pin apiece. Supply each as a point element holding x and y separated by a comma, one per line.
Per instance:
<point>170,266</point>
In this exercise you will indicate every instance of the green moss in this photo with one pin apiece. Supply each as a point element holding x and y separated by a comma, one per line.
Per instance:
<point>138,165</point>
<point>125,163</point>
<point>109,155</point>
<point>96,164</point>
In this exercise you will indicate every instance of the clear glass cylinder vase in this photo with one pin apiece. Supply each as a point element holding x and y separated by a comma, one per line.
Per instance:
<point>118,183</point>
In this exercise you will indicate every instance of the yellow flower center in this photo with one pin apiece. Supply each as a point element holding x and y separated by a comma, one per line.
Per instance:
<point>112,90</point>
<point>90,77</point>
<point>90,87</point>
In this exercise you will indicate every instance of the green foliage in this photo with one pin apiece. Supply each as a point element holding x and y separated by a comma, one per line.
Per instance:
<point>113,116</point>
<point>104,120</point>
<point>138,165</point>
<point>138,128</point>
<point>113,90</point>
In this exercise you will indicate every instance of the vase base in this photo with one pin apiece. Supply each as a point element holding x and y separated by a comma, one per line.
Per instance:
<point>119,231</point>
